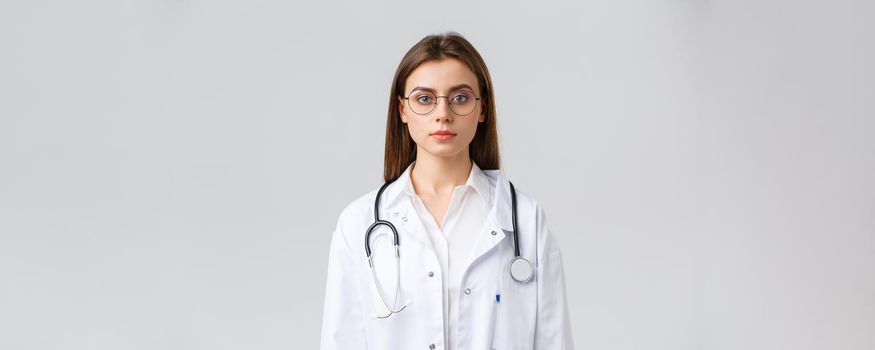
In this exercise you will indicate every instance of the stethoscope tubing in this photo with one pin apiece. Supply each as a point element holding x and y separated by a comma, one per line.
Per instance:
<point>526,264</point>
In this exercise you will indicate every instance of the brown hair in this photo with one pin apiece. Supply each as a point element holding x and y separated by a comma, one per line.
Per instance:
<point>400,147</point>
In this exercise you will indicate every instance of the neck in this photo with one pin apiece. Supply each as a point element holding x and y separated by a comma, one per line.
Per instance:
<point>432,175</point>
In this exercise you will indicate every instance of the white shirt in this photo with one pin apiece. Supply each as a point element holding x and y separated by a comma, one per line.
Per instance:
<point>470,204</point>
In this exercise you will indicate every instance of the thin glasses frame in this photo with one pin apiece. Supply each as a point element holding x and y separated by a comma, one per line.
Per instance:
<point>437,99</point>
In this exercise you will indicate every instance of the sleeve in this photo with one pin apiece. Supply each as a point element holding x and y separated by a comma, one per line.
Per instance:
<point>553,327</point>
<point>342,320</point>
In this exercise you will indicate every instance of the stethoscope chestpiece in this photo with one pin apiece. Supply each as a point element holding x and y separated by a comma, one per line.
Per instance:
<point>521,269</point>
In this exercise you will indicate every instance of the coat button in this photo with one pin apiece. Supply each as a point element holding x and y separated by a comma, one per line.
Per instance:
<point>494,233</point>
<point>404,219</point>
<point>431,346</point>
<point>430,274</point>
<point>467,290</point>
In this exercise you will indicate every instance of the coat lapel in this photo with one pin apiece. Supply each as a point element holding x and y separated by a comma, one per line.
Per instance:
<point>409,224</point>
<point>498,224</point>
<point>399,208</point>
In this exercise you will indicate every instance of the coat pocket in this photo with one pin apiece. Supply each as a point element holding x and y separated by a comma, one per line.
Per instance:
<point>515,314</point>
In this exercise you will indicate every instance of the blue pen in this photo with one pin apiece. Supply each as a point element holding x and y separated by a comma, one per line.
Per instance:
<point>497,297</point>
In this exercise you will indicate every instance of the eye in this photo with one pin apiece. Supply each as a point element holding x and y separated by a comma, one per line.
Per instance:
<point>462,97</point>
<point>424,99</point>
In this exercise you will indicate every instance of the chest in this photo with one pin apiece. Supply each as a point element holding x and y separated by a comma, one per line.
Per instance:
<point>438,209</point>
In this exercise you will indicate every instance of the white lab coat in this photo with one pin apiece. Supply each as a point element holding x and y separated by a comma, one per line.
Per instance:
<point>531,315</point>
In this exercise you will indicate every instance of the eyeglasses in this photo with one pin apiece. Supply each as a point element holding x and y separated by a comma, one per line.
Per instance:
<point>422,102</point>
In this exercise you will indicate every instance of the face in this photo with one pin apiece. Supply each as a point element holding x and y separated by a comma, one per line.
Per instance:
<point>447,77</point>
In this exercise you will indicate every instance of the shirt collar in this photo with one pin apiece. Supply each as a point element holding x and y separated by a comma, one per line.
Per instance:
<point>476,179</point>
<point>495,181</point>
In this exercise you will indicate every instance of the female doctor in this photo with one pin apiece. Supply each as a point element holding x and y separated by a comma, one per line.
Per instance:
<point>446,254</point>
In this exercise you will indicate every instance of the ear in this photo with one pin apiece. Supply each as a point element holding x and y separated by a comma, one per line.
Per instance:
<point>401,107</point>
<point>482,117</point>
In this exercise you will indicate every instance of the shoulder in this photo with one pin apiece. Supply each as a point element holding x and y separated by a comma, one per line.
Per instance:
<point>357,215</point>
<point>362,205</point>
<point>528,203</point>
<point>533,217</point>
<point>359,208</point>
<point>351,222</point>
<point>498,180</point>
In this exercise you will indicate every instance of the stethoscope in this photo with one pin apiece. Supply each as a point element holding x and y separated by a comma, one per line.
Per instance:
<point>520,268</point>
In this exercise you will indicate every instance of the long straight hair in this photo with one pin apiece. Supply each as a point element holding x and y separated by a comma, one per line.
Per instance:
<point>400,147</point>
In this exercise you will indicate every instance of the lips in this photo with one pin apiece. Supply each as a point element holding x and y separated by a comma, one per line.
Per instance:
<point>443,135</point>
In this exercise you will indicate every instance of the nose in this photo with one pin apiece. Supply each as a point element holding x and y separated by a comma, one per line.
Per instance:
<point>442,110</point>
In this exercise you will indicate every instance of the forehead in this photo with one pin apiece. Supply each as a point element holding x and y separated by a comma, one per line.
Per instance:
<point>441,76</point>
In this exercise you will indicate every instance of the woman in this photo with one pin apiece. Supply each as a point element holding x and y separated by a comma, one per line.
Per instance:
<point>454,280</point>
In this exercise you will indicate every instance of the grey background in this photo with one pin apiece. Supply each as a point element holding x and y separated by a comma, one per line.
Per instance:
<point>171,171</point>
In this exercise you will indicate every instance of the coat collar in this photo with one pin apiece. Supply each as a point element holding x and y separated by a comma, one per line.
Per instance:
<point>492,185</point>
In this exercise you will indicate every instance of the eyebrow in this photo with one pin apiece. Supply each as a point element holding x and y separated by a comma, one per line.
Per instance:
<point>453,88</point>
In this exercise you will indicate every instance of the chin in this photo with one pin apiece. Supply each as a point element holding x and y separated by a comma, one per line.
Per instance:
<point>444,150</point>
